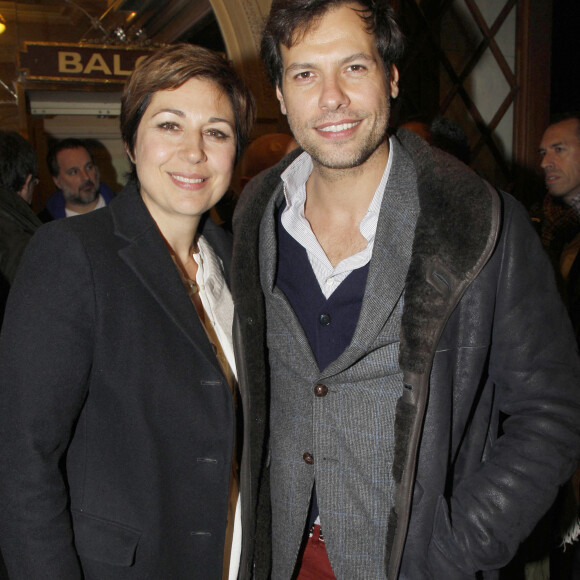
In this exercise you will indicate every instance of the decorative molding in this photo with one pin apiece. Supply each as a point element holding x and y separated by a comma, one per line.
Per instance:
<point>241,25</point>
<point>532,106</point>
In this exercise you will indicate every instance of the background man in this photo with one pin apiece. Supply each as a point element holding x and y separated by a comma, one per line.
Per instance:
<point>423,409</point>
<point>560,161</point>
<point>560,153</point>
<point>18,176</point>
<point>75,174</point>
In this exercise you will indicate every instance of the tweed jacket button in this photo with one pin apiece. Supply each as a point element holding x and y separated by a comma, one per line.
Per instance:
<point>324,319</point>
<point>321,390</point>
<point>308,458</point>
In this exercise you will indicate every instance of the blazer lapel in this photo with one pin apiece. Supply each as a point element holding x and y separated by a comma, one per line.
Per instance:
<point>147,256</point>
<point>268,243</point>
<point>268,267</point>
<point>390,260</point>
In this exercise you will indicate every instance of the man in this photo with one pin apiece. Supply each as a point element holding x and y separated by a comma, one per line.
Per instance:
<point>560,161</point>
<point>75,174</point>
<point>423,408</point>
<point>18,176</point>
<point>449,135</point>
<point>560,154</point>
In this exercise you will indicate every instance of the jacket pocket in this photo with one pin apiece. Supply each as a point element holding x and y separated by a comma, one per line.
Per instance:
<point>104,541</point>
<point>442,554</point>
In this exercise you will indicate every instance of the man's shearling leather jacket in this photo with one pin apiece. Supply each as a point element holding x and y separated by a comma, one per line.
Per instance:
<point>488,427</point>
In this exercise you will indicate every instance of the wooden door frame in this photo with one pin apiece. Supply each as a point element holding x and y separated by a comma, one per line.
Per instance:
<point>532,107</point>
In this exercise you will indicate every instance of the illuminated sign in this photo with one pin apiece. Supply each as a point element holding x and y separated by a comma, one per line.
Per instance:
<point>48,61</point>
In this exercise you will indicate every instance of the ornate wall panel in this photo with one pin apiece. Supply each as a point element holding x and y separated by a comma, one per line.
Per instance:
<point>480,63</point>
<point>241,26</point>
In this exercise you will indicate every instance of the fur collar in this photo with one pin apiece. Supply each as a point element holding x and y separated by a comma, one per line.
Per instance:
<point>453,236</point>
<point>453,230</point>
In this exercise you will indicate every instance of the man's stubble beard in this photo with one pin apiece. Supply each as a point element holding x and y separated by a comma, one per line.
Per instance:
<point>331,159</point>
<point>79,199</point>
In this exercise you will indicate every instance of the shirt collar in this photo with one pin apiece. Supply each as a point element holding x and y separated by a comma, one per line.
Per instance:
<point>575,204</point>
<point>297,173</point>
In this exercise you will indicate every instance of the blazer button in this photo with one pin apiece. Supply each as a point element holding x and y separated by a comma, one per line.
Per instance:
<point>308,458</point>
<point>324,319</point>
<point>321,390</point>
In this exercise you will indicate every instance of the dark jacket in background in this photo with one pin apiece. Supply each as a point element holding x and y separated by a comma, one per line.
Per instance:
<point>17,225</point>
<point>55,206</point>
<point>573,295</point>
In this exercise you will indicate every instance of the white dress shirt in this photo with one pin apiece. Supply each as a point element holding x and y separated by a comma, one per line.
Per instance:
<point>296,224</point>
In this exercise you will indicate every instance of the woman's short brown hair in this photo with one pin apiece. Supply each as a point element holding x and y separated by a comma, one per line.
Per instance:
<point>169,68</point>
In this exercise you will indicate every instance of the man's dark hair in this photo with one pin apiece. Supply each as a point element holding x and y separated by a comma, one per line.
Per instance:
<point>56,148</point>
<point>567,117</point>
<point>17,161</point>
<point>289,20</point>
<point>450,136</point>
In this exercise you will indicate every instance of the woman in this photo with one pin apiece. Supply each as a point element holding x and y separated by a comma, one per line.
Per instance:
<point>118,455</point>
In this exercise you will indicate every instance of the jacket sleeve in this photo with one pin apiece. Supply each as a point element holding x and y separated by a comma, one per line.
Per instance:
<point>534,365</point>
<point>45,359</point>
<point>12,246</point>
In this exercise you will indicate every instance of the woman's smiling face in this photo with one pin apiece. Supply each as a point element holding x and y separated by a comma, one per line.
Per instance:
<point>185,150</point>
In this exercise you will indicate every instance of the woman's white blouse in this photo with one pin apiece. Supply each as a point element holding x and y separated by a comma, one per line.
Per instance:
<point>219,307</point>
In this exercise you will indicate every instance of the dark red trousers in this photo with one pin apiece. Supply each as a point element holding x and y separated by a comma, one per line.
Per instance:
<point>315,564</point>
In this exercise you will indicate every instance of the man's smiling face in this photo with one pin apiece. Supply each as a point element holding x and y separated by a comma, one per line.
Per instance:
<point>335,91</point>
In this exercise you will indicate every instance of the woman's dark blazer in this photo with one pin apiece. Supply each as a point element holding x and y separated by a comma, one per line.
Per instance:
<point>116,423</point>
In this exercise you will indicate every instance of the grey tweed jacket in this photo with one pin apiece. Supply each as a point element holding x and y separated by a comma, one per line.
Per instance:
<point>349,431</point>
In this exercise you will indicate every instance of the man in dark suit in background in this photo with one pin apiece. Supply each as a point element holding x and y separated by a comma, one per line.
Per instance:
<point>560,161</point>
<point>18,176</point>
<point>74,172</point>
